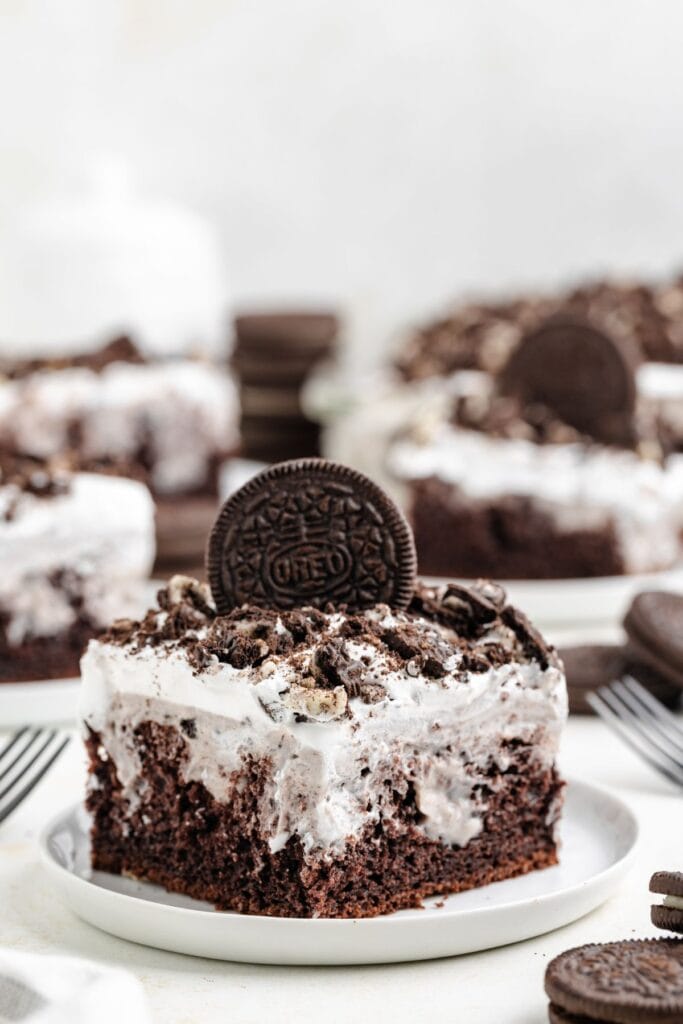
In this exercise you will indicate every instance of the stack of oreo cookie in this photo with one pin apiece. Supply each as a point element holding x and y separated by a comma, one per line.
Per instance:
<point>652,653</point>
<point>274,354</point>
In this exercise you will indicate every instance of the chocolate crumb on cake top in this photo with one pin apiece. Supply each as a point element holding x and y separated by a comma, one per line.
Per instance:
<point>446,634</point>
<point>22,475</point>
<point>119,350</point>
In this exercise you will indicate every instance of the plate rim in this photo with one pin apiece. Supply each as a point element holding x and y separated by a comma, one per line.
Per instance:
<point>60,872</point>
<point>17,686</point>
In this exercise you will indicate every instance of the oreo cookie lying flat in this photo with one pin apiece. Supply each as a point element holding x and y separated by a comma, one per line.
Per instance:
<point>631,982</point>
<point>590,666</point>
<point>669,913</point>
<point>654,625</point>
<point>583,375</point>
<point>311,532</point>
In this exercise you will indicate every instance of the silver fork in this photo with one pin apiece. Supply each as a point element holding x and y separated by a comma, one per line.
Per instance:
<point>24,759</point>
<point>643,723</point>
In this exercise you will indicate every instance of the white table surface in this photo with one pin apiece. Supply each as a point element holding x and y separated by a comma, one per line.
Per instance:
<point>504,985</point>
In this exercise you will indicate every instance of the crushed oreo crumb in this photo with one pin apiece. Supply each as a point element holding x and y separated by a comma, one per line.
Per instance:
<point>119,350</point>
<point>453,628</point>
<point>29,476</point>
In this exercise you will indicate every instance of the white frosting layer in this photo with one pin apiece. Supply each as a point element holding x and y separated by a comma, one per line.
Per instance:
<point>675,902</point>
<point>581,487</point>
<point>660,381</point>
<point>661,386</point>
<point>100,534</point>
<point>183,412</point>
<point>334,772</point>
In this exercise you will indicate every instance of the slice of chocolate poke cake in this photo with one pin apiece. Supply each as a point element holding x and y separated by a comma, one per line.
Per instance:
<point>77,549</point>
<point>319,735</point>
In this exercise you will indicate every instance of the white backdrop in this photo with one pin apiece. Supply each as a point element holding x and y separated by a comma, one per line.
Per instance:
<point>387,154</point>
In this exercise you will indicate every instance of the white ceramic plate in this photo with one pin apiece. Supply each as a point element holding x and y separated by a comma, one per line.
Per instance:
<point>602,599</point>
<point>598,832</point>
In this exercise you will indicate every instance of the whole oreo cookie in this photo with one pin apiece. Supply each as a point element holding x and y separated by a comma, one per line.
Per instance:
<point>582,374</point>
<point>630,982</point>
<point>654,624</point>
<point>311,532</point>
<point>668,914</point>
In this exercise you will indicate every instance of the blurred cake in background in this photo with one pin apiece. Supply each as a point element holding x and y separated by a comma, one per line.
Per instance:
<point>273,356</point>
<point>97,259</point>
<point>481,335</point>
<point>555,468</point>
<point>535,439</point>
<point>77,548</point>
<point>514,493</point>
<point>170,423</point>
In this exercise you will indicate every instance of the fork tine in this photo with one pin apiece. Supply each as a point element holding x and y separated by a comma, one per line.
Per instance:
<point>640,722</point>
<point>33,735</point>
<point>635,739</point>
<point>654,709</point>
<point>12,742</point>
<point>29,764</point>
<point>34,778</point>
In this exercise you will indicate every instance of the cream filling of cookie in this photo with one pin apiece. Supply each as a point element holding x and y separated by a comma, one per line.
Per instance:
<point>673,902</point>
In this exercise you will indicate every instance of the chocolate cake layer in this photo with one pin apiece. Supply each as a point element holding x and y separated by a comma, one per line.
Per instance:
<point>177,835</point>
<point>45,657</point>
<point>510,538</point>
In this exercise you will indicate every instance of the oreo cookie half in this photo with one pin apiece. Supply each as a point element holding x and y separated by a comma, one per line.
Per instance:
<point>311,532</point>
<point>585,376</point>
<point>668,914</point>
<point>630,982</point>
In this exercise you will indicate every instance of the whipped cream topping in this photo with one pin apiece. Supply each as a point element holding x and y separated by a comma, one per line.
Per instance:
<point>339,735</point>
<point>660,385</point>
<point>89,549</point>
<point>182,413</point>
<point>581,486</point>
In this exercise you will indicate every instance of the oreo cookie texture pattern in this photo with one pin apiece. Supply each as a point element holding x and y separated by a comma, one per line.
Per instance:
<point>629,982</point>
<point>311,532</point>
<point>585,376</point>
